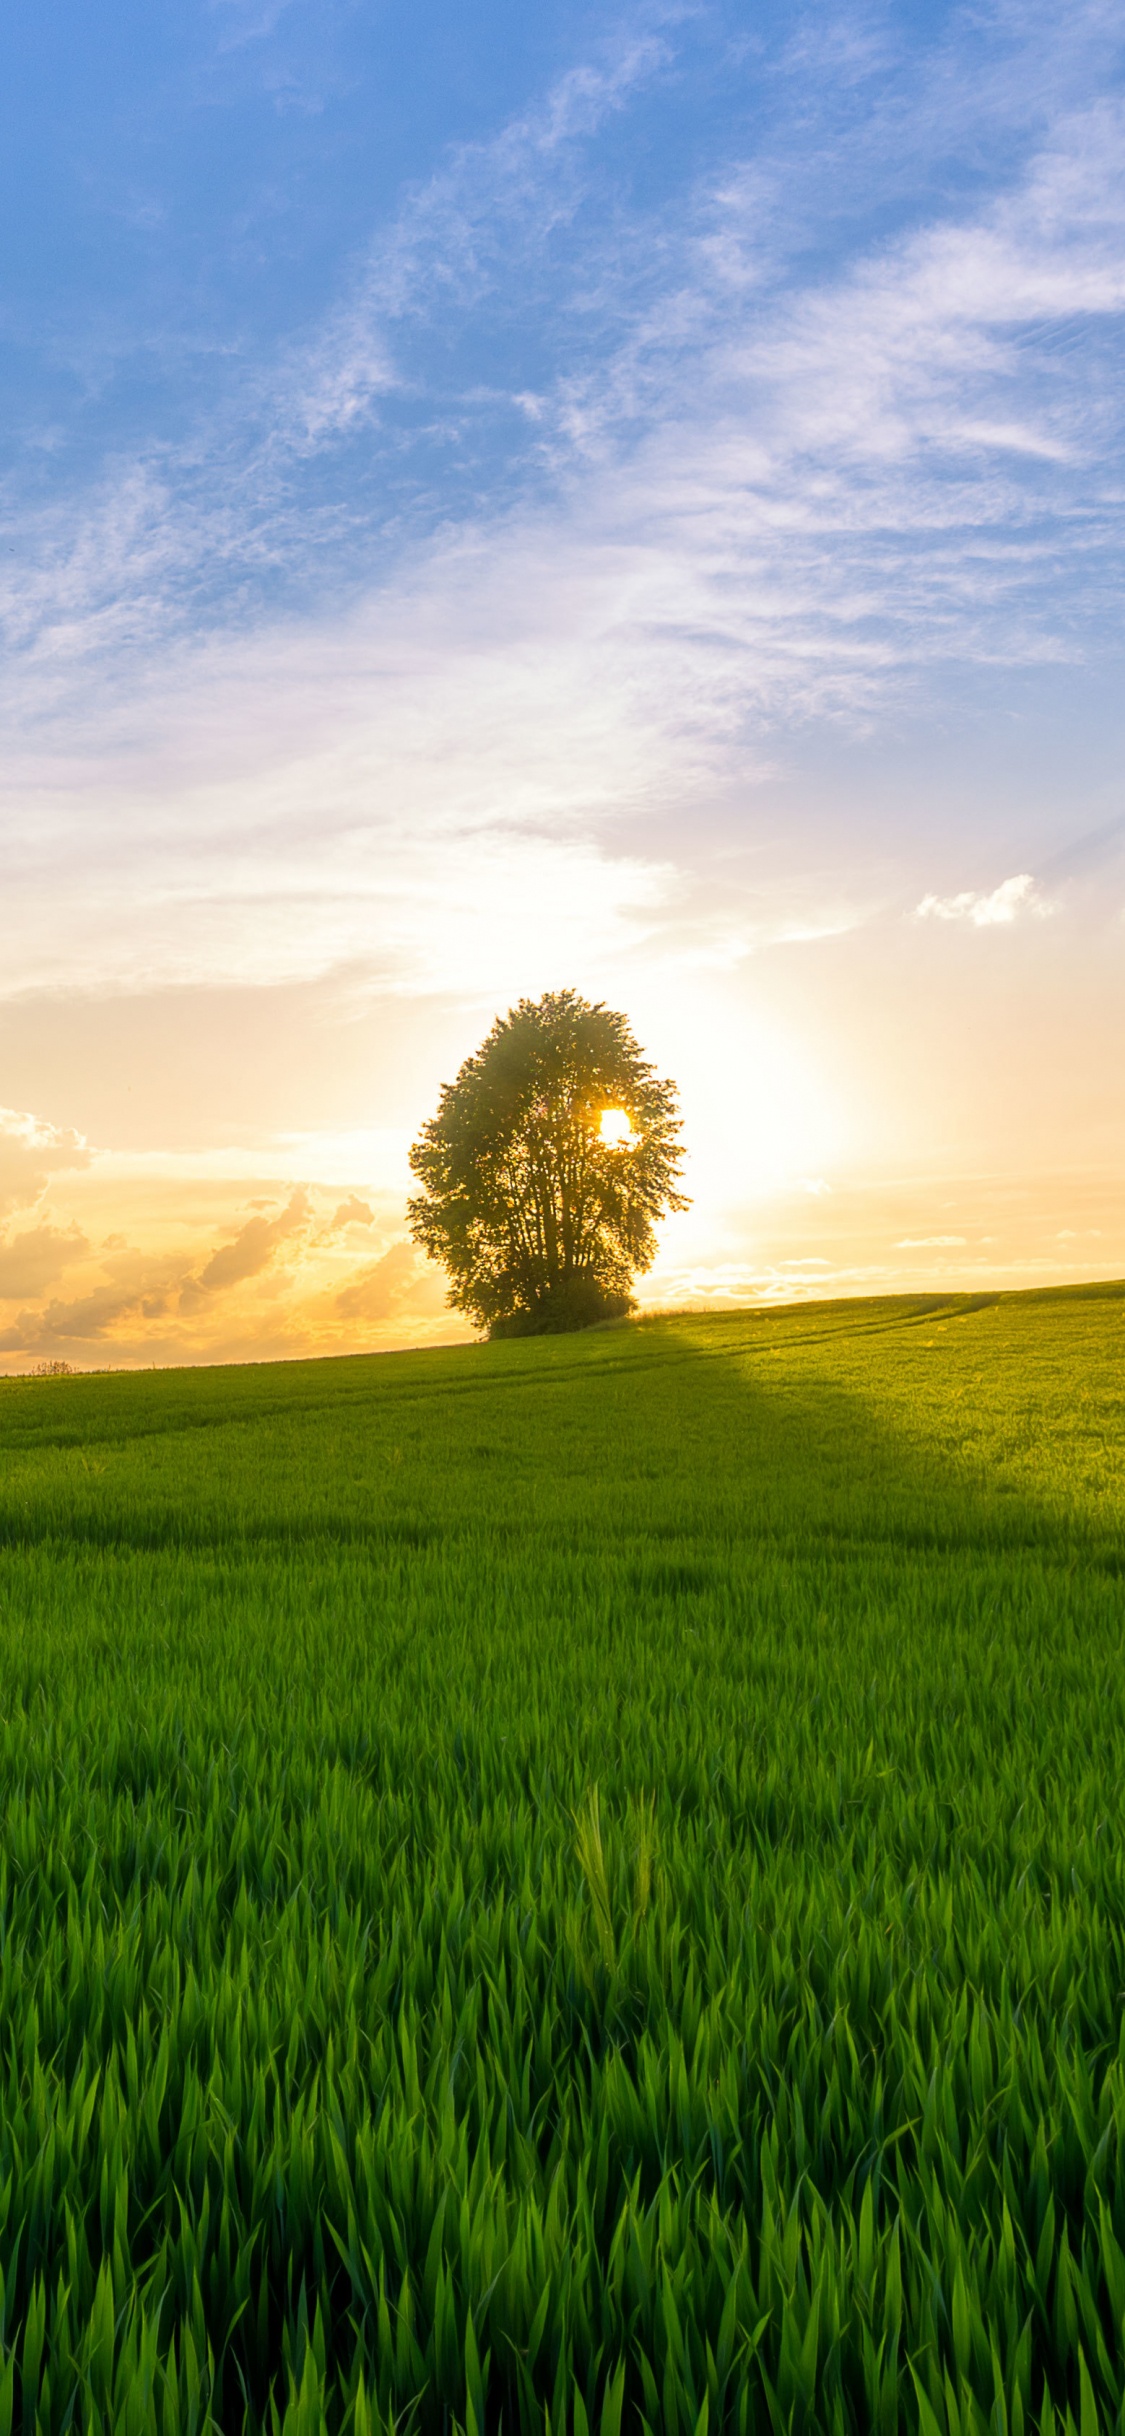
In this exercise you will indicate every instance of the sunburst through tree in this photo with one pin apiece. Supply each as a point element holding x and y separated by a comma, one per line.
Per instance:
<point>544,1173</point>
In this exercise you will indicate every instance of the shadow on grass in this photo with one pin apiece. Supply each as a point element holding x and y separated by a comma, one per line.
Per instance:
<point>668,1451</point>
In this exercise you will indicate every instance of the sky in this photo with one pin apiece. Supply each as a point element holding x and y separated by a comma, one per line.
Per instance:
<point>491,500</point>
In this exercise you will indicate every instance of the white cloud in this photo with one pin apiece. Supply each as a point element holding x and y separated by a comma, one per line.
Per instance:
<point>421,817</point>
<point>458,235</point>
<point>985,910</point>
<point>31,1151</point>
<point>928,1243</point>
<point>248,20</point>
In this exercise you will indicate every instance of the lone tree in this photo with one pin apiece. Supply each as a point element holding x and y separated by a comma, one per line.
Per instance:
<point>545,1169</point>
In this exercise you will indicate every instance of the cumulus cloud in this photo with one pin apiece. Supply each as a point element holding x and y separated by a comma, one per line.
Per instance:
<point>159,1308</point>
<point>401,1278</point>
<point>31,1261</point>
<point>397,1299</point>
<point>353,1212</point>
<point>254,1246</point>
<point>990,908</point>
<point>141,1291</point>
<point>86,1319</point>
<point>31,1151</point>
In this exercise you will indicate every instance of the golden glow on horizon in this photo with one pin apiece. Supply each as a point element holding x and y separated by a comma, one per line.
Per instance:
<point>235,1189</point>
<point>114,1263</point>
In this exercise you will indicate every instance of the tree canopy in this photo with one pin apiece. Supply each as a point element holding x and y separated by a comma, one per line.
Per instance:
<point>546,1168</point>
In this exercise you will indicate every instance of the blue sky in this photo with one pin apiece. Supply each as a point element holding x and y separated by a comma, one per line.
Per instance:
<point>502,497</point>
<point>291,288</point>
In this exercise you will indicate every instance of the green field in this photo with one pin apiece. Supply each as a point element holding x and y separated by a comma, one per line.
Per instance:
<point>576,1884</point>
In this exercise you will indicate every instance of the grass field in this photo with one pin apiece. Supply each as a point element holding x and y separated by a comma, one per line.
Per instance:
<point>576,1883</point>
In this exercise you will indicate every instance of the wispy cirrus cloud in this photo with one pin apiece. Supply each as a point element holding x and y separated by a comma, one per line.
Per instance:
<point>485,220</point>
<point>838,471</point>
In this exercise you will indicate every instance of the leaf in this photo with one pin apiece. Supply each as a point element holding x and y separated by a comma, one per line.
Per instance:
<point>1088,2423</point>
<point>612,2403</point>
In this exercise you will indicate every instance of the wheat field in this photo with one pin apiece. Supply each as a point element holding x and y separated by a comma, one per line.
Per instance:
<point>573,1885</point>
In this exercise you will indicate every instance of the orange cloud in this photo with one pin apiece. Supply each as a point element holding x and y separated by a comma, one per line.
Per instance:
<point>254,1246</point>
<point>399,1280</point>
<point>30,1262</point>
<point>353,1212</point>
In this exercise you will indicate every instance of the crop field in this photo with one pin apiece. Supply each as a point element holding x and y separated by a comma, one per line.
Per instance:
<point>575,1885</point>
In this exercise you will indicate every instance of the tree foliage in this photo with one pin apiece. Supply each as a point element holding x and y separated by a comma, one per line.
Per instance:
<point>541,1223</point>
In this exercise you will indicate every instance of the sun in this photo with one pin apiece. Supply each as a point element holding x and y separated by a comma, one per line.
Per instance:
<point>615,1128</point>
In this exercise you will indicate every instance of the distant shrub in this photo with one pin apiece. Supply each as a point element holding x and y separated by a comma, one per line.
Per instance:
<point>573,1302</point>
